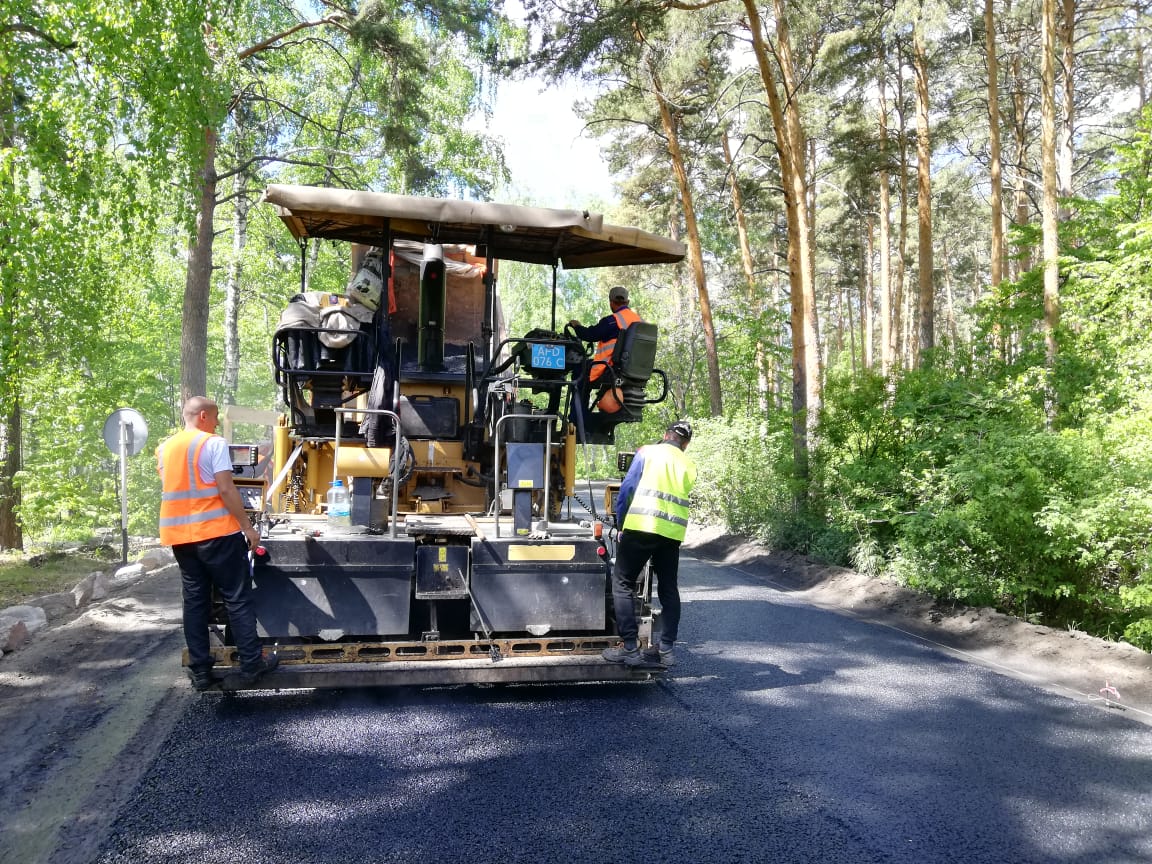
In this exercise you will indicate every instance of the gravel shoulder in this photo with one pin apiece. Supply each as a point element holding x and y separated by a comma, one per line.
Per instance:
<point>85,706</point>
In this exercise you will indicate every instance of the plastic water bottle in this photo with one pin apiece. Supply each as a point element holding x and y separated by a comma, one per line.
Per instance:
<point>339,508</point>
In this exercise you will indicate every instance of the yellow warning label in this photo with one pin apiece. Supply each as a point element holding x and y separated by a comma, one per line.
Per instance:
<point>556,552</point>
<point>443,554</point>
<point>525,484</point>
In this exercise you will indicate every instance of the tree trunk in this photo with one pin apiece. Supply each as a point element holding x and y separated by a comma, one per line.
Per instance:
<point>994,169</point>
<point>1141,81</point>
<point>927,290</point>
<point>11,454</point>
<point>232,295</point>
<point>755,297</point>
<point>851,323</point>
<point>1049,172</point>
<point>812,320</point>
<point>695,253</point>
<point>899,318</point>
<point>1065,154</point>
<point>887,334</point>
<point>867,326</point>
<point>791,153</point>
<point>11,531</point>
<point>949,295</point>
<point>1020,130</point>
<point>198,284</point>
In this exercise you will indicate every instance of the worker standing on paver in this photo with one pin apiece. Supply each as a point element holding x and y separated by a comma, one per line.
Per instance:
<point>652,512</point>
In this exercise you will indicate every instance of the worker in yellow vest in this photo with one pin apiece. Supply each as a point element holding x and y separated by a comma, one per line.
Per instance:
<point>652,512</point>
<point>202,518</point>
<point>604,333</point>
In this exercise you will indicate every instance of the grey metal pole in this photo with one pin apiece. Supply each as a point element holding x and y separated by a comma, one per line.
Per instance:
<point>125,432</point>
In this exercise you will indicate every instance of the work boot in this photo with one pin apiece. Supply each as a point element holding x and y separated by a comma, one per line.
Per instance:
<point>263,667</point>
<point>663,656</point>
<point>202,679</point>
<point>622,654</point>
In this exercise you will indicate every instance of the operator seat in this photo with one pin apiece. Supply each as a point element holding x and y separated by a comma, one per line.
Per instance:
<point>633,364</point>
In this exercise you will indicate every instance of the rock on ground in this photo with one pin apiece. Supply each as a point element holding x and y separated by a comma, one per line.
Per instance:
<point>13,634</point>
<point>33,617</point>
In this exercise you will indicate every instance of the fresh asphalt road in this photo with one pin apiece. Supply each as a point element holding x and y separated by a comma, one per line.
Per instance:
<point>788,734</point>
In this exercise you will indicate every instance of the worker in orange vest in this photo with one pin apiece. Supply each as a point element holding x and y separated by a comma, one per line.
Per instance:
<point>202,518</point>
<point>604,333</point>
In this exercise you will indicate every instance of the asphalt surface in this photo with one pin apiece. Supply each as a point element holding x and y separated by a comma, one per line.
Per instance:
<point>787,734</point>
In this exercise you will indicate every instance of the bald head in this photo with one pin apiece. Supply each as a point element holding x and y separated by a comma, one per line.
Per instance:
<point>200,412</point>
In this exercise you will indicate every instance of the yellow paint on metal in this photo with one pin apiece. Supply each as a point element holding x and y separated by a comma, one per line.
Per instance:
<point>551,552</point>
<point>363,461</point>
<point>385,652</point>
<point>281,448</point>
<point>569,460</point>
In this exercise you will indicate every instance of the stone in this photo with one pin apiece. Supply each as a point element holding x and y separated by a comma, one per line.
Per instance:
<point>128,573</point>
<point>156,558</point>
<point>55,605</point>
<point>99,585</point>
<point>34,617</point>
<point>13,634</point>
<point>82,591</point>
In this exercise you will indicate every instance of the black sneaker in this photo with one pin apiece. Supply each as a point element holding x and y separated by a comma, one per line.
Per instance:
<point>202,679</point>
<point>663,656</point>
<point>266,665</point>
<point>620,654</point>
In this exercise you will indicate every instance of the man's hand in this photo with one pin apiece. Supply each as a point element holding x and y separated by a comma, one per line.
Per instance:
<point>230,495</point>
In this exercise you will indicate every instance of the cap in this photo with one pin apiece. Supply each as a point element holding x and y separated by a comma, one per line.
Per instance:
<point>682,428</point>
<point>618,293</point>
<point>337,318</point>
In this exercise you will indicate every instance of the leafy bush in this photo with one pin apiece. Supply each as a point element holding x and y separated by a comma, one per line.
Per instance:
<point>745,478</point>
<point>956,486</point>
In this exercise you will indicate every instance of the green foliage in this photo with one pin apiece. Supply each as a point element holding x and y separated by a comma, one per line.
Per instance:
<point>954,479</point>
<point>50,572</point>
<point>955,486</point>
<point>744,477</point>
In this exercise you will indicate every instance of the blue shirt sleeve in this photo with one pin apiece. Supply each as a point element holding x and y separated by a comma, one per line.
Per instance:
<point>628,487</point>
<point>603,330</point>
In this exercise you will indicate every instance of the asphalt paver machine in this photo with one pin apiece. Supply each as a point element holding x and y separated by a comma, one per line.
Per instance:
<point>459,562</point>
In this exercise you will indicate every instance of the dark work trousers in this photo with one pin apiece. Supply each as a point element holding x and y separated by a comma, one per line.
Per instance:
<point>223,562</point>
<point>636,549</point>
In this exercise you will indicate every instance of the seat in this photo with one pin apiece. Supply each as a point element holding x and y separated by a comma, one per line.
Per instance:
<point>315,378</point>
<point>633,364</point>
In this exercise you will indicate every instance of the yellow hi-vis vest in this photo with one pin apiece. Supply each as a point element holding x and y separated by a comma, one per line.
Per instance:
<point>190,510</point>
<point>625,318</point>
<point>660,504</point>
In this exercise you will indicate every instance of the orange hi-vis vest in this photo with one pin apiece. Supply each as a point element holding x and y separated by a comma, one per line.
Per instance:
<point>190,510</point>
<point>625,318</point>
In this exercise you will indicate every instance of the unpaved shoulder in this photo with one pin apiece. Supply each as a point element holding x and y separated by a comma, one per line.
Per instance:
<point>83,708</point>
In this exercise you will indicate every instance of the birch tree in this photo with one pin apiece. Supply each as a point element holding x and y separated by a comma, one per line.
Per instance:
<point>239,52</point>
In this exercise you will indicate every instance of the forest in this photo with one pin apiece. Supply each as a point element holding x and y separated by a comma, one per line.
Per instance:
<point>912,325</point>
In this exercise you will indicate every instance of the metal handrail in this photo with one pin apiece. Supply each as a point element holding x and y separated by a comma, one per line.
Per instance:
<point>547,460</point>
<point>340,412</point>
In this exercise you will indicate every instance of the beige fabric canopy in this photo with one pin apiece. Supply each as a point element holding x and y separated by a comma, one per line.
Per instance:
<point>577,239</point>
